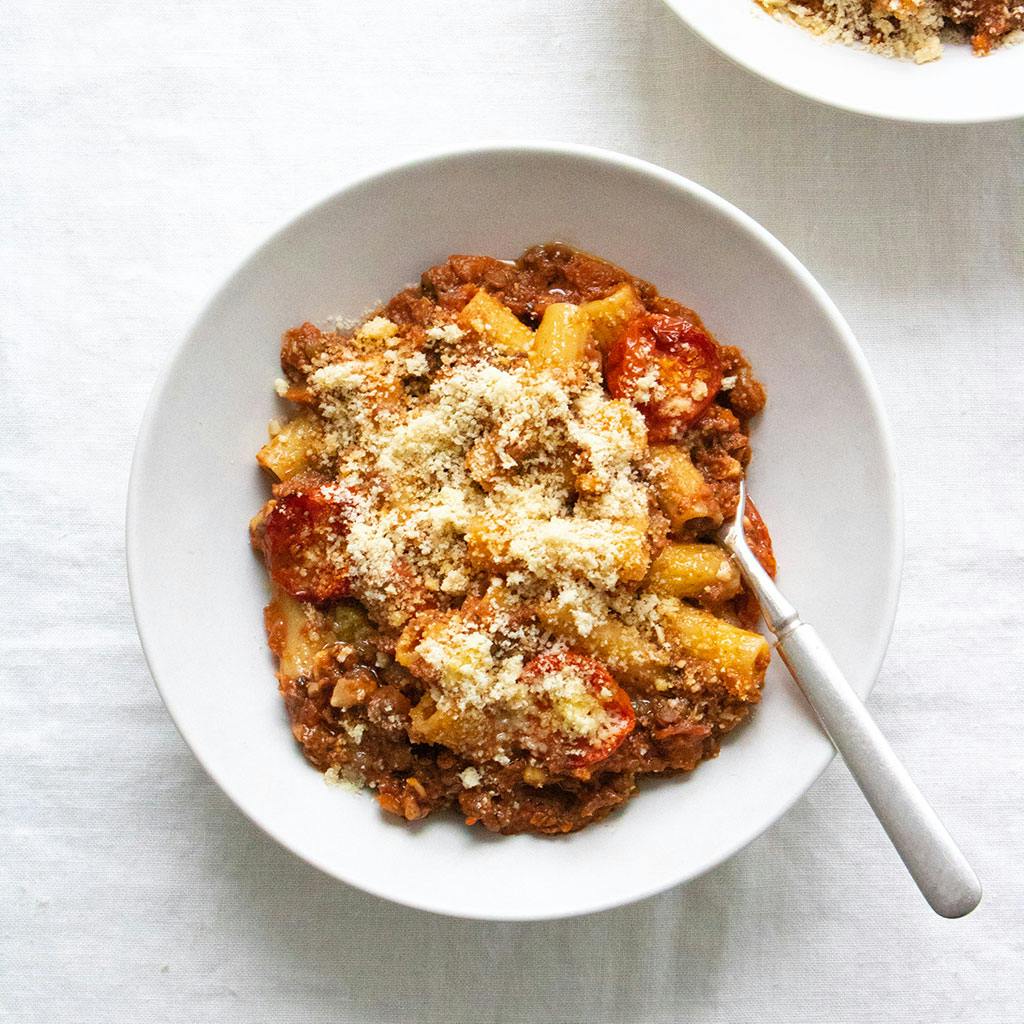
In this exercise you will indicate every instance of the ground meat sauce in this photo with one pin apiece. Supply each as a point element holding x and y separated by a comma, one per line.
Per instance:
<point>987,21</point>
<point>908,28</point>
<point>356,710</point>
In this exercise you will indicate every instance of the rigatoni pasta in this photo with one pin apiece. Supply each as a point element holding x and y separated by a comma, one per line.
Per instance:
<point>681,489</point>
<point>293,446</point>
<point>632,656</point>
<point>740,655</point>
<point>495,323</point>
<point>562,337</point>
<point>694,571</point>
<point>607,317</point>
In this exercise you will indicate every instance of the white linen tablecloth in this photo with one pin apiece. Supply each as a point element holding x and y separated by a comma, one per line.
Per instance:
<point>145,147</point>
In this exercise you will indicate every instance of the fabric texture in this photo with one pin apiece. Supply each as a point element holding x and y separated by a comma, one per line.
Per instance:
<point>147,147</point>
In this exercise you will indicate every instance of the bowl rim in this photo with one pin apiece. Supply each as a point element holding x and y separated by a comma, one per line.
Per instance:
<point>515,149</point>
<point>849,106</point>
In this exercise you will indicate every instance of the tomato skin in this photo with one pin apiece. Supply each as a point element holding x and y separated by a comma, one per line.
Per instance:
<point>689,371</point>
<point>758,539</point>
<point>746,605</point>
<point>563,754</point>
<point>307,517</point>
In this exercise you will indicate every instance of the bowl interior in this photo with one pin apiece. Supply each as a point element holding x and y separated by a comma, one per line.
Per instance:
<point>822,475</point>
<point>959,88</point>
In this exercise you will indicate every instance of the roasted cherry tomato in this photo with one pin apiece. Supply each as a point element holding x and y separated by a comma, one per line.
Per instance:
<point>760,543</point>
<point>603,701</point>
<point>758,539</point>
<point>669,368</point>
<point>301,538</point>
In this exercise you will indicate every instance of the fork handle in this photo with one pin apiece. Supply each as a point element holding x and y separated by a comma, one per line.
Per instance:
<point>934,861</point>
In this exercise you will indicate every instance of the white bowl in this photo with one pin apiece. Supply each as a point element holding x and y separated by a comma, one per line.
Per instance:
<point>823,475</point>
<point>957,89</point>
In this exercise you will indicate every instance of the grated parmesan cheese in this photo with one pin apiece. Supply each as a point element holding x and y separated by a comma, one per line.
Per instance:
<point>355,732</point>
<point>495,472</point>
<point>897,28</point>
<point>417,365</point>
<point>449,333</point>
<point>334,777</point>
<point>377,329</point>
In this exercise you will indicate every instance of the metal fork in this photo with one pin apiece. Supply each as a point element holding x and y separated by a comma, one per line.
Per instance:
<point>934,861</point>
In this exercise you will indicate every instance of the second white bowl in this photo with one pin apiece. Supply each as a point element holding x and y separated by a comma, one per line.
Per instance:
<point>959,88</point>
